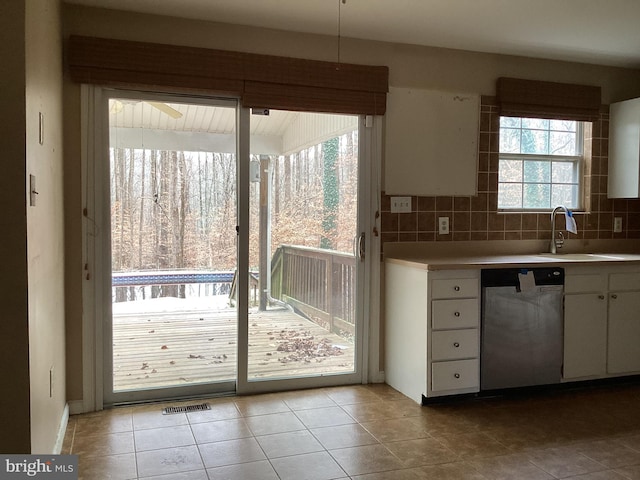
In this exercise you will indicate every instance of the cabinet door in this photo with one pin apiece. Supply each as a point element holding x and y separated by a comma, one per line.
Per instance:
<point>585,335</point>
<point>624,332</point>
<point>624,150</point>
<point>431,142</point>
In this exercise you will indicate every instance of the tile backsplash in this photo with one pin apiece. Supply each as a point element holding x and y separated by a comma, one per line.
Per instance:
<point>476,218</point>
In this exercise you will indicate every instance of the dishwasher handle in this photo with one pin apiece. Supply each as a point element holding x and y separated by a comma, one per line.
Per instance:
<point>509,277</point>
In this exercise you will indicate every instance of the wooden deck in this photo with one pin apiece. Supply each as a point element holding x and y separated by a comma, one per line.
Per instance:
<point>187,347</point>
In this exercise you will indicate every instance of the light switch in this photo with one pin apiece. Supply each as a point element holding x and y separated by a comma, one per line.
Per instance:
<point>400,204</point>
<point>33,193</point>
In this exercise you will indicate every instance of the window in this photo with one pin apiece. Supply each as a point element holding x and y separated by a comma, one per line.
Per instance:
<point>540,163</point>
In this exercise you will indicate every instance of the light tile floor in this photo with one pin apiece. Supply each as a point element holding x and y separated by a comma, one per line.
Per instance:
<point>367,432</point>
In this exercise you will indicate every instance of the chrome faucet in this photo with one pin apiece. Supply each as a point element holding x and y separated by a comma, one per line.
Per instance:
<point>557,243</point>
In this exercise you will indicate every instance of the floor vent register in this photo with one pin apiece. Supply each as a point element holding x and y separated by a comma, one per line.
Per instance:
<point>186,409</point>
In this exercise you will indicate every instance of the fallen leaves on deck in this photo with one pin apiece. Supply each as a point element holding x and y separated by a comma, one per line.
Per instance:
<point>293,347</point>
<point>302,346</point>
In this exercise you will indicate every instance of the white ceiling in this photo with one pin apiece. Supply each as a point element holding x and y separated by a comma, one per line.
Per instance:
<point>139,123</point>
<point>604,32</point>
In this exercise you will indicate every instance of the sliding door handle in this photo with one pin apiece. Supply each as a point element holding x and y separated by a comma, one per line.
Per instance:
<point>361,247</point>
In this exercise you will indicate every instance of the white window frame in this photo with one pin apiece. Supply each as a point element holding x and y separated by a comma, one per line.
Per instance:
<point>577,160</point>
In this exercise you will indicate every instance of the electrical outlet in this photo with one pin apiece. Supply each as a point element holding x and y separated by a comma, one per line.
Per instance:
<point>443,225</point>
<point>617,224</point>
<point>400,204</point>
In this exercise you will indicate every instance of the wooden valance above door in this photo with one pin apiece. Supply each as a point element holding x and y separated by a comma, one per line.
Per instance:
<point>263,81</point>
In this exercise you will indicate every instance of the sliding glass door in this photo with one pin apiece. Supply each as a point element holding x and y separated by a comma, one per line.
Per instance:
<point>234,253</point>
<point>172,211</point>
<point>303,216</point>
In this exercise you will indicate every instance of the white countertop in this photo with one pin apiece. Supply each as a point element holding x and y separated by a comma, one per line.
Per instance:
<point>457,262</point>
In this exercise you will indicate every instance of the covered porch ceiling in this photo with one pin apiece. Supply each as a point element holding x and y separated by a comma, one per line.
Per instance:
<point>205,128</point>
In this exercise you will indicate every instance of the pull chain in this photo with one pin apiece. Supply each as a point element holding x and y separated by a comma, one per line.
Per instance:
<point>340,3</point>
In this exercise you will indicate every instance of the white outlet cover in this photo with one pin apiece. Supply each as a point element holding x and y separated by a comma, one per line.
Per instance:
<point>617,224</point>
<point>443,225</point>
<point>400,204</point>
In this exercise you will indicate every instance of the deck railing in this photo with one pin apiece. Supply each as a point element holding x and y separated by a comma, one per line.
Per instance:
<point>318,283</point>
<point>143,284</point>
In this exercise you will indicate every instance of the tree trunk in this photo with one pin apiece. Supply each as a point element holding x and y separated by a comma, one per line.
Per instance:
<point>129,209</point>
<point>330,191</point>
<point>141,229</point>
<point>184,197</point>
<point>164,199</point>
<point>119,187</point>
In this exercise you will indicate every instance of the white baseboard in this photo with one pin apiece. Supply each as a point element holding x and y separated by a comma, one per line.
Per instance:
<point>62,430</point>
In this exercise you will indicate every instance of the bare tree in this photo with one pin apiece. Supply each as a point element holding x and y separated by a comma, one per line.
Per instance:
<point>174,210</point>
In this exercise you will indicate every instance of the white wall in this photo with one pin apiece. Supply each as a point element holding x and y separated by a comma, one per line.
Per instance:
<point>410,65</point>
<point>45,222</point>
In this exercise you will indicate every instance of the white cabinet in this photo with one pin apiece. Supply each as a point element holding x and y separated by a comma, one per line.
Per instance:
<point>432,340</point>
<point>624,149</point>
<point>431,142</point>
<point>432,326</point>
<point>406,312</point>
<point>624,323</point>
<point>457,313</point>
<point>602,322</point>
<point>459,376</point>
<point>453,344</point>
<point>454,333</point>
<point>585,326</point>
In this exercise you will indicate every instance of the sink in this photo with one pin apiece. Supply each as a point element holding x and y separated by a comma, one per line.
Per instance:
<point>581,257</point>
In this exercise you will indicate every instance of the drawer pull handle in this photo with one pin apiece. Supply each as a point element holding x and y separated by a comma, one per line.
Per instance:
<point>456,288</point>
<point>456,314</point>
<point>457,375</point>
<point>456,344</point>
<point>601,297</point>
<point>614,296</point>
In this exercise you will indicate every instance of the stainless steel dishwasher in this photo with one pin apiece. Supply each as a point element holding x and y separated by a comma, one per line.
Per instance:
<point>522,327</point>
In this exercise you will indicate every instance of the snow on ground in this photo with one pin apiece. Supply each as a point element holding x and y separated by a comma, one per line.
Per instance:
<point>172,304</point>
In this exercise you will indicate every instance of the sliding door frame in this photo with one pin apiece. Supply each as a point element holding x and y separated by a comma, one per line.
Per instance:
<point>363,270</point>
<point>100,183</point>
<point>96,254</point>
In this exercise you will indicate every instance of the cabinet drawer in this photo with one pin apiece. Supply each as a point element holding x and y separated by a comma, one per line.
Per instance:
<point>453,344</point>
<point>624,281</point>
<point>458,374</point>
<point>455,314</point>
<point>455,288</point>
<point>585,283</point>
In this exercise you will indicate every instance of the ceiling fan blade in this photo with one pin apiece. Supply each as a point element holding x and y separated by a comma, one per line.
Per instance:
<point>164,108</point>
<point>115,106</point>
